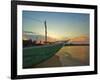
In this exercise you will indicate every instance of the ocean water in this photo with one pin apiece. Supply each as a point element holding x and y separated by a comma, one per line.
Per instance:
<point>74,55</point>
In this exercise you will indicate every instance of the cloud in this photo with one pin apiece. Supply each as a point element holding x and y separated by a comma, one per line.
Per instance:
<point>81,39</point>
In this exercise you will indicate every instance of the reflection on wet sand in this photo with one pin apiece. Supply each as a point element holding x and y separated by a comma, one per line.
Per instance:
<point>68,56</point>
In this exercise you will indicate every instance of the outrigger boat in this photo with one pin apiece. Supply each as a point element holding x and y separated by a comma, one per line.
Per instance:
<point>37,54</point>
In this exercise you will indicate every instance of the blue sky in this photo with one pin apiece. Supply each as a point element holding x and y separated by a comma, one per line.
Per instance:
<point>59,25</point>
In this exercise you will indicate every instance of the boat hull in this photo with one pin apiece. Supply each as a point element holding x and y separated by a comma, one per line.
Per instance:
<point>37,54</point>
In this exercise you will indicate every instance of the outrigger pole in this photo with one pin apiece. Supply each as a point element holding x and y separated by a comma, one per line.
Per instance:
<point>45,24</point>
<point>45,31</point>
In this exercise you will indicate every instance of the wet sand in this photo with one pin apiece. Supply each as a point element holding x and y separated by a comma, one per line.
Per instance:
<point>52,62</point>
<point>64,58</point>
<point>60,61</point>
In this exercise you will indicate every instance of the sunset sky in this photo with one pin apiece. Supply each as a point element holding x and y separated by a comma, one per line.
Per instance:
<point>59,25</point>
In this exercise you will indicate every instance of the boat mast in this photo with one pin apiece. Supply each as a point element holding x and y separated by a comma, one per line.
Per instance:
<point>45,31</point>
